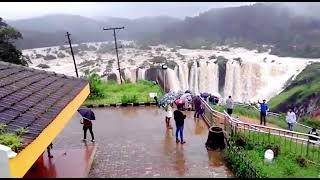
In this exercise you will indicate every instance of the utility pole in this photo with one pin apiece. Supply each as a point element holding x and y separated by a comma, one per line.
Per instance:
<point>115,43</point>
<point>74,61</point>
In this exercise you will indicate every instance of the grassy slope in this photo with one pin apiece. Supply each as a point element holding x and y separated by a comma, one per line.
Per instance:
<point>113,92</point>
<point>285,165</point>
<point>306,84</point>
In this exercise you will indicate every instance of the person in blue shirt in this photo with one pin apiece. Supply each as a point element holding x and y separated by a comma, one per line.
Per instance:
<point>263,111</point>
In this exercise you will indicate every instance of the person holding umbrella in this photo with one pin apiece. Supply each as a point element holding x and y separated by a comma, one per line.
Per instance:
<point>87,118</point>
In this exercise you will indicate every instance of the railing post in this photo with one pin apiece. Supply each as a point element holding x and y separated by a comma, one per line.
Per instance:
<point>224,123</point>
<point>308,142</point>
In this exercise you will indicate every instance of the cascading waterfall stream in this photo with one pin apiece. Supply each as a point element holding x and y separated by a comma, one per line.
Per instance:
<point>245,81</point>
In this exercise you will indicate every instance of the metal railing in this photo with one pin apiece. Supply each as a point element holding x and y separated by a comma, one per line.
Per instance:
<point>289,141</point>
<point>273,114</point>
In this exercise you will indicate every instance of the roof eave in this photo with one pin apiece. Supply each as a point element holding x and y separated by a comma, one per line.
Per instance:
<point>24,160</point>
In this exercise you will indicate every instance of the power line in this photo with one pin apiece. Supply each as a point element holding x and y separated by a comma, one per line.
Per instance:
<point>74,61</point>
<point>115,43</point>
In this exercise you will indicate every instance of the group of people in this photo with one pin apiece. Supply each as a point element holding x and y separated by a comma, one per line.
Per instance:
<point>291,116</point>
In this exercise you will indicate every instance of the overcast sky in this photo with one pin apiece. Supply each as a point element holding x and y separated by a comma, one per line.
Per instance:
<point>22,10</point>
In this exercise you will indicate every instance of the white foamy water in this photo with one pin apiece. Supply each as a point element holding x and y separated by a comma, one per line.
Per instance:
<point>259,76</point>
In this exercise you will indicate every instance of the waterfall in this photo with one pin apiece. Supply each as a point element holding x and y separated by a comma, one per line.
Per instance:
<point>183,76</point>
<point>141,74</point>
<point>232,85</point>
<point>245,81</point>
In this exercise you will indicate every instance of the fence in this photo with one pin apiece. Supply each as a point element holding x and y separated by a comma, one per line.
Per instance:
<point>302,127</point>
<point>289,141</point>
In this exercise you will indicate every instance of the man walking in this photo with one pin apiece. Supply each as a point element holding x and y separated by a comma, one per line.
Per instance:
<point>179,118</point>
<point>263,111</point>
<point>197,106</point>
<point>291,119</point>
<point>229,103</point>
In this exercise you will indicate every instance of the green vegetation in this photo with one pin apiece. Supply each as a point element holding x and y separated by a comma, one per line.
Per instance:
<point>250,163</point>
<point>109,92</point>
<point>306,84</point>
<point>8,51</point>
<point>12,140</point>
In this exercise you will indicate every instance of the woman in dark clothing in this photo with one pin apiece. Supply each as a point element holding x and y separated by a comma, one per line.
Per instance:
<point>197,106</point>
<point>87,124</point>
<point>179,118</point>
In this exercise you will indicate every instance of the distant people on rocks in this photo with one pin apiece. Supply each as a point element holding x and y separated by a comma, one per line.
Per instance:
<point>179,118</point>
<point>169,114</point>
<point>291,119</point>
<point>313,132</point>
<point>263,111</point>
<point>229,104</point>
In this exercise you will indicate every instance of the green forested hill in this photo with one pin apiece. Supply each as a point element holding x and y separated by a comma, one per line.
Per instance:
<point>303,93</point>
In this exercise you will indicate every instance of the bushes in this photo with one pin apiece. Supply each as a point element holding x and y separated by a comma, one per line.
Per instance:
<point>96,85</point>
<point>240,164</point>
<point>12,140</point>
<point>129,99</point>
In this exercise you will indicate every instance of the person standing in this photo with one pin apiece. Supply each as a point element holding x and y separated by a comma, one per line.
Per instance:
<point>169,116</point>
<point>179,119</point>
<point>263,111</point>
<point>291,119</point>
<point>229,104</point>
<point>87,125</point>
<point>197,106</point>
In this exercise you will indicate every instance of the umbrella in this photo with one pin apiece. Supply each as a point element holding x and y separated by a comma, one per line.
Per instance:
<point>180,101</point>
<point>204,95</point>
<point>87,113</point>
<point>169,98</point>
<point>186,97</point>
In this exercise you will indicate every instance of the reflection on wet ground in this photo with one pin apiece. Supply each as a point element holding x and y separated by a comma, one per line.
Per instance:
<point>134,142</point>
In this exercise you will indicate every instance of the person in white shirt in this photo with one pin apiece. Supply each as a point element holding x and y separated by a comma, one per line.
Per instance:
<point>229,103</point>
<point>291,119</point>
<point>169,115</point>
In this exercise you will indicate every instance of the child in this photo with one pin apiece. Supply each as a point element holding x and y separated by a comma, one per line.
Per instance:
<point>169,116</point>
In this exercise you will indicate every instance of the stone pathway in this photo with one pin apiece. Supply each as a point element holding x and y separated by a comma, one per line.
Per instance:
<point>133,142</point>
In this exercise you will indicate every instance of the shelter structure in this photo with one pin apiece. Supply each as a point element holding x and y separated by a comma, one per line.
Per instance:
<point>41,101</point>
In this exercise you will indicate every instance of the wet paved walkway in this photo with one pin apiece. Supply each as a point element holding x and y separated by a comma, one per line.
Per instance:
<point>133,142</point>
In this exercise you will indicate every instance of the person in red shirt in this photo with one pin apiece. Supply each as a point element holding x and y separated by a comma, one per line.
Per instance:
<point>87,124</point>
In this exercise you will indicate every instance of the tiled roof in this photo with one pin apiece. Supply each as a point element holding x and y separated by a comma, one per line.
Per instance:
<point>31,98</point>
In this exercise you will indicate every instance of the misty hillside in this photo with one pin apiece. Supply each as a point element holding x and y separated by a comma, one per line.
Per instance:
<point>275,24</point>
<point>293,29</point>
<point>50,30</point>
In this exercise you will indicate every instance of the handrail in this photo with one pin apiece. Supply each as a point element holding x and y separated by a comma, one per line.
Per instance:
<point>232,120</point>
<point>272,113</point>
